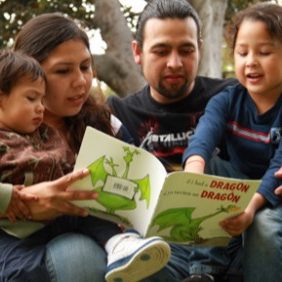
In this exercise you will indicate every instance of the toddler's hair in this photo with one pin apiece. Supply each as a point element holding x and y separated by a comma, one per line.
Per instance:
<point>14,66</point>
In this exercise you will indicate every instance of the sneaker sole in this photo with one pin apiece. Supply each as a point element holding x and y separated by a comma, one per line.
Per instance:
<point>146,261</point>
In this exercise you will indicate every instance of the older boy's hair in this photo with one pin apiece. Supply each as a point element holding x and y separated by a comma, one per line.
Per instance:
<point>14,66</point>
<point>166,9</point>
<point>268,13</point>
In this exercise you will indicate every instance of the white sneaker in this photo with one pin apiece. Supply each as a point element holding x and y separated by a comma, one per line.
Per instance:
<point>132,258</point>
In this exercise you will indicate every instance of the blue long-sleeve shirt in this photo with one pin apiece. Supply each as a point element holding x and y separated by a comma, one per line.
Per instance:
<point>253,141</point>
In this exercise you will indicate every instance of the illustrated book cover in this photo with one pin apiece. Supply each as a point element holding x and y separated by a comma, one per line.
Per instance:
<point>135,190</point>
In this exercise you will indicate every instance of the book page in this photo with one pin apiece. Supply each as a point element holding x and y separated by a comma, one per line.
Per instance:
<point>192,205</point>
<point>128,179</point>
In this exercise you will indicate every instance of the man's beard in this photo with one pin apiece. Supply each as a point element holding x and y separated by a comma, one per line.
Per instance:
<point>173,93</point>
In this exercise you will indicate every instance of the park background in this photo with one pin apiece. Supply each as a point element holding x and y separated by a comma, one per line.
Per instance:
<point>110,25</point>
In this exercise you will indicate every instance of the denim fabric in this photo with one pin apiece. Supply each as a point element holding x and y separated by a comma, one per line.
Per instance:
<point>262,251</point>
<point>67,251</point>
<point>185,260</point>
<point>75,258</point>
<point>263,247</point>
<point>24,259</point>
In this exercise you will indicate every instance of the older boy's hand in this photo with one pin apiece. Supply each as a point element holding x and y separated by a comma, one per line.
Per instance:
<point>18,208</point>
<point>278,174</point>
<point>238,224</point>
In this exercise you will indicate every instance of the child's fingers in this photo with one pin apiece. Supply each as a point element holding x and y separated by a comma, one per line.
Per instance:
<point>20,210</point>
<point>231,229</point>
<point>17,207</point>
<point>278,191</point>
<point>24,210</point>
<point>19,187</point>
<point>11,216</point>
<point>28,197</point>
<point>278,173</point>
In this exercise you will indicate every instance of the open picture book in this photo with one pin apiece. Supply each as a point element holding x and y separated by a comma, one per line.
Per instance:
<point>135,190</point>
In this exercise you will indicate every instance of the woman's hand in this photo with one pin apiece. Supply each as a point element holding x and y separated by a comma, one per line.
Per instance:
<point>53,197</point>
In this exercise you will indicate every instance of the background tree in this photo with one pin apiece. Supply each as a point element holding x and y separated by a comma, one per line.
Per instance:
<point>116,67</point>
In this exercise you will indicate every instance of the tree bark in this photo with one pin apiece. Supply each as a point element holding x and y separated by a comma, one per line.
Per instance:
<point>117,67</point>
<point>212,14</point>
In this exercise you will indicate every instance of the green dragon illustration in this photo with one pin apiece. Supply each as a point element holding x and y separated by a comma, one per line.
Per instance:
<point>183,226</point>
<point>105,167</point>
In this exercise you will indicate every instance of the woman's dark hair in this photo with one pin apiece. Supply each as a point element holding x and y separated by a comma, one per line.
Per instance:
<point>270,14</point>
<point>40,36</point>
<point>166,9</point>
<point>15,66</point>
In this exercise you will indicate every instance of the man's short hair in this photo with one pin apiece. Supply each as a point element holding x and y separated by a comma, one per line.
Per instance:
<point>164,9</point>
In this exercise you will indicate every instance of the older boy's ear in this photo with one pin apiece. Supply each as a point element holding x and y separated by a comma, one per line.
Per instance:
<point>137,51</point>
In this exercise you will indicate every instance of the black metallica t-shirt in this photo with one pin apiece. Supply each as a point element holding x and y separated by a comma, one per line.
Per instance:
<point>165,129</point>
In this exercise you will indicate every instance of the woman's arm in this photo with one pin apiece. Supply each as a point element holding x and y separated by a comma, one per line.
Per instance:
<point>54,198</point>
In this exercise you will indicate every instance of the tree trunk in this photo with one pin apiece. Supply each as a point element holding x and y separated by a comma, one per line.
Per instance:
<point>117,67</point>
<point>212,14</point>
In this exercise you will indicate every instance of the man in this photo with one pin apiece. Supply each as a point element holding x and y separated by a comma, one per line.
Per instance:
<point>163,115</point>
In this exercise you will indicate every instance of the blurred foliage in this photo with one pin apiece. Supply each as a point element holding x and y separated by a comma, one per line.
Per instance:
<point>235,6</point>
<point>14,13</point>
<point>130,16</point>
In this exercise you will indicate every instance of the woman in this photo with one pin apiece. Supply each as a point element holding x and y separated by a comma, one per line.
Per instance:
<point>62,49</point>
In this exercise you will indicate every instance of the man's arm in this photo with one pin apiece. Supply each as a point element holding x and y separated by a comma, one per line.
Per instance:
<point>53,198</point>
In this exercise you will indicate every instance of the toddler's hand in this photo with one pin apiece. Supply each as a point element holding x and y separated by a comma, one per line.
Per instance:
<point>18,207</point>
